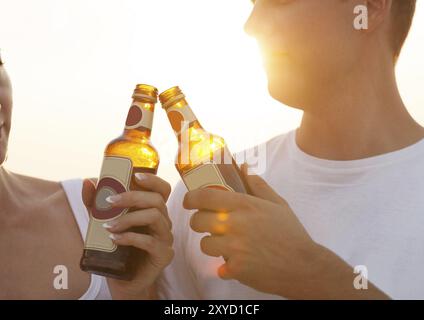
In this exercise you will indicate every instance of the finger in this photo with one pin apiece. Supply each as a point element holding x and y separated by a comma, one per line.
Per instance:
<point>259,187</point>
<point>214,200</point>
<point>153,183</point>
<point>152,218</point>
<point>214,246</point>
<point>224,272</point>
<point>88,192</point>
<point>139,200</point>
<point>144,242</point>
<point>209,221</point>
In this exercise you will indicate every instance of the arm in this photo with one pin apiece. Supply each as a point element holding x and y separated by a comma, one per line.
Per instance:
<point>332,279</point>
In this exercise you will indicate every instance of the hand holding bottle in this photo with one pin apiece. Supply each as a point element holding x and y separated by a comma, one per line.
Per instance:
<point>151,213</point>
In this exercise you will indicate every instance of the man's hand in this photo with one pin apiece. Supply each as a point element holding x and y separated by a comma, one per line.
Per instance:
<point>266,247</point>
<point>152,213</point>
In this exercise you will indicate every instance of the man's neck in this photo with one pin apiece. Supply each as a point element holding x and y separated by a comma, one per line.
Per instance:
<point>359,118</point>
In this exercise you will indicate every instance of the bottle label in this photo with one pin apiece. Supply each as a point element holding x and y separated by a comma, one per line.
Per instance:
<point>179,116</point>
<point>139,117</point>
<point>115,178</point>
<point>206,175</point>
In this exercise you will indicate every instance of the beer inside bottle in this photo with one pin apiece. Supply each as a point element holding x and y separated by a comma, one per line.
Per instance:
<point>124,156</point>
<point>203,159</point>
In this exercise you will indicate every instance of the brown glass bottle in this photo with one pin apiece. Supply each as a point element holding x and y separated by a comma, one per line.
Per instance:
<point>124,156</point>
<point>203,159</point>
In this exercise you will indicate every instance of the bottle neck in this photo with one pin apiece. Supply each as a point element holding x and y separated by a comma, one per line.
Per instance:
<point>182,117</point>
<point>139,120</point>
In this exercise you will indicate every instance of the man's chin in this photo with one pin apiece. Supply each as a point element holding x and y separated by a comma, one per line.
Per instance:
<point>285,93</point>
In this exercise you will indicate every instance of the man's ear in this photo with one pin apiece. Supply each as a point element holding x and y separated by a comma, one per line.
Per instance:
<point>378,12</point>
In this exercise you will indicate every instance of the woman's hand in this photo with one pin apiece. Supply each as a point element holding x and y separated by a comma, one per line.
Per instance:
<point>152,213</point>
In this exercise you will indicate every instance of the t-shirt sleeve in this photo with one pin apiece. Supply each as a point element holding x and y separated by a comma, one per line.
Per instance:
<point>178,279</point>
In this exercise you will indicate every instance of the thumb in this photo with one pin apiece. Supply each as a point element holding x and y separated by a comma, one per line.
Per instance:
<point>88,192</point>
<point>260,188</point>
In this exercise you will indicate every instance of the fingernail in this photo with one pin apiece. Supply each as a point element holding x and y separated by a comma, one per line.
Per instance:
<point>110,224</point>
<point>114,236</point>
<point>140,176</point>
<point>113,199</point>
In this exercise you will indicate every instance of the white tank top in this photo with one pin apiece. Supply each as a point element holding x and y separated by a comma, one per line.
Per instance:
<point>98,289</point>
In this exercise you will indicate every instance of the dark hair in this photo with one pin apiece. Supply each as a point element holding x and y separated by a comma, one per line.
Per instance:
<point>402,16</point>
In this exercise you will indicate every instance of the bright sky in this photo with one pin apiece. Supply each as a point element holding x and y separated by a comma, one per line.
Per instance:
<point>74,64</point>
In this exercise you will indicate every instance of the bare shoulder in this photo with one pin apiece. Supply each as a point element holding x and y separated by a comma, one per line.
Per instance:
<point>37,184</point>
<point>42,193</point>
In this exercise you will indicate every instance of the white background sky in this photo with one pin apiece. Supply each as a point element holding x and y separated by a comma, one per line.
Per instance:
<point>74,64</point>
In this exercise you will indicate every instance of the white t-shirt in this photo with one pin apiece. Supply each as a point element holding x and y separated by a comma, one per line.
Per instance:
<point>98,289</point>
<point>369,212</point>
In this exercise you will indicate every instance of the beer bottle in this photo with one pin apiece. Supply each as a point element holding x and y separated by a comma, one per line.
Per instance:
<point>203,159</point>
<point>124,156</point>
